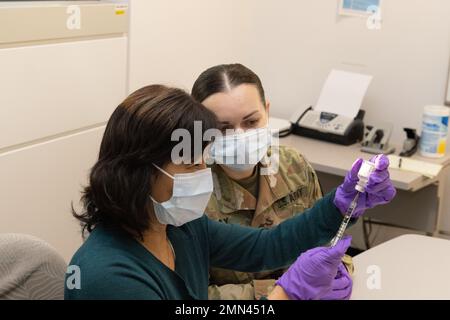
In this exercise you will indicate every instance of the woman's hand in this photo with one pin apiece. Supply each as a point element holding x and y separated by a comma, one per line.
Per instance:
<point>379,189</point>
<point>341,288</point>
<point>278,293</point>
<point>317,274</point>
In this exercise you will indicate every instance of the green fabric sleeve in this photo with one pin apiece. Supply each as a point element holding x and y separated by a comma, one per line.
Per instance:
<point>249,249</point>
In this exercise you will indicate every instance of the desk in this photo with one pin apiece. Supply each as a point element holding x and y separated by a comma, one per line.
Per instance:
<point>337,160</point>
<point>410,267</point>
<point>332,162</point>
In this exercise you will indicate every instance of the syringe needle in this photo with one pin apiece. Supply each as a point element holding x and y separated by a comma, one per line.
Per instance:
<point>346,221</point>
<point>364,172</point>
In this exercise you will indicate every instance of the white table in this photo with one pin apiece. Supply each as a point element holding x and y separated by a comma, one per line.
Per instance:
<point>337,159</point>
<point>410,267</point>
<point>417,205</point>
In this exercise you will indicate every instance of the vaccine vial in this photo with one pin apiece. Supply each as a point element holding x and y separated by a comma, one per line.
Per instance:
<point>364,173</point>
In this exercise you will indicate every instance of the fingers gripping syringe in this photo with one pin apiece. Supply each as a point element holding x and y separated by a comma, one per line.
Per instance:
<point>364,172</point>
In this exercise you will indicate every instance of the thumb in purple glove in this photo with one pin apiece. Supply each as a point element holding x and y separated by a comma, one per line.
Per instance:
<point>311,276</point>
<point>341,287</point>
<point>379,189</point>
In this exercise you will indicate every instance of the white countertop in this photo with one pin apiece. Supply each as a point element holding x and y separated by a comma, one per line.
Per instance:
<point>409,267</point>
<point>337,160</point>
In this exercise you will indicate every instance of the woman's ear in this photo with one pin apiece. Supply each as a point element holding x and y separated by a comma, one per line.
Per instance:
<point>267,108</point>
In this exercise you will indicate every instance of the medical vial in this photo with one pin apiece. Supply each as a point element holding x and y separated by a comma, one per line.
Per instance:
<point>364,173</point>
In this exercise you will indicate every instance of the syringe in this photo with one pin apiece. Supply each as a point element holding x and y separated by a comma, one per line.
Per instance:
<point>364,172</point>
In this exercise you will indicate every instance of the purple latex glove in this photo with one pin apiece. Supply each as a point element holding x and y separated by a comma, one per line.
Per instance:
<point>341,288</point>
<point>311,276</point>
<point>379,189</point>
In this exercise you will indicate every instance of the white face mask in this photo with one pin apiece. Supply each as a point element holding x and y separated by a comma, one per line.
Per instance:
<point>241,151</point>
<point>190,196</point>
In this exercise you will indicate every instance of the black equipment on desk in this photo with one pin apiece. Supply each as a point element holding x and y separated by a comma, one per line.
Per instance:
<point>411,143</point>
<point>330,127</point>
<point>376,139</point>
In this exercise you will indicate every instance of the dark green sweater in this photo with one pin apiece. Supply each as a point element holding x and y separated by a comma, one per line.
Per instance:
<point>113,265</point>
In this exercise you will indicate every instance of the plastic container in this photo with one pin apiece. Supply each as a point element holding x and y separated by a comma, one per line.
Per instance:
<point>433,140</point>
<point>364,173</point>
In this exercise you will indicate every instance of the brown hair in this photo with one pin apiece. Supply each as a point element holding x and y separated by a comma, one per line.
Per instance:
<point>137,135</point>
<point>223,78</point>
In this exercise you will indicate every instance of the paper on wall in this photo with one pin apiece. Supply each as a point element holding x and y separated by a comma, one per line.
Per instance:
<point>343,93</point>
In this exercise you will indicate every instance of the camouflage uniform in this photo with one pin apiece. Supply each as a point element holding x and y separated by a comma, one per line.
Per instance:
<point>290,191</point>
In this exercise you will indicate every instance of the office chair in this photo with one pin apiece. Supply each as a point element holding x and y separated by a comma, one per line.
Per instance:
<point>30,269</point>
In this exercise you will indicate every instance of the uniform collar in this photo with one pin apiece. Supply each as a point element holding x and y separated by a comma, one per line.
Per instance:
<point>231,196</point>
<point>272,187</point>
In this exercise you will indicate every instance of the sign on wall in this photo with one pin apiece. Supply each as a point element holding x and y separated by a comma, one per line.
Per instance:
<point>359,7</point>
<point>368,9</point>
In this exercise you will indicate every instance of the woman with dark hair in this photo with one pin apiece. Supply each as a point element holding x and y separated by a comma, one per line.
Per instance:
<point>243,193</point>
<point>144,211</point>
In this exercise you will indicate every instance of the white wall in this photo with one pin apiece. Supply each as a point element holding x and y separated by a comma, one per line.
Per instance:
<point>293,44</point>
<point>172,41</point>
<point>53,88</point>
<point>46,154</point>
<point>38,184</point>
<point>54,100</point>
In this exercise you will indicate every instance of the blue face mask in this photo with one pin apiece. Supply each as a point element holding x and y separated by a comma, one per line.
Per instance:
<point>190,196</point>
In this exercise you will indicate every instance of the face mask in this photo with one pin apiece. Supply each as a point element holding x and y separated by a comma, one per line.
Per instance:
<point>241,151</point>
<point>190,196</point>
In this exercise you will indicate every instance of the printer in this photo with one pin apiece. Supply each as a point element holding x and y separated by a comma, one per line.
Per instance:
<point>337,117</point>
<point>330,127</point>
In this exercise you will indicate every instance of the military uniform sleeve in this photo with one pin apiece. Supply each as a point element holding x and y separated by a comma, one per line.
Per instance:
<point>244,291</point>
<point>315,189</point>
<point>252,250</point>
